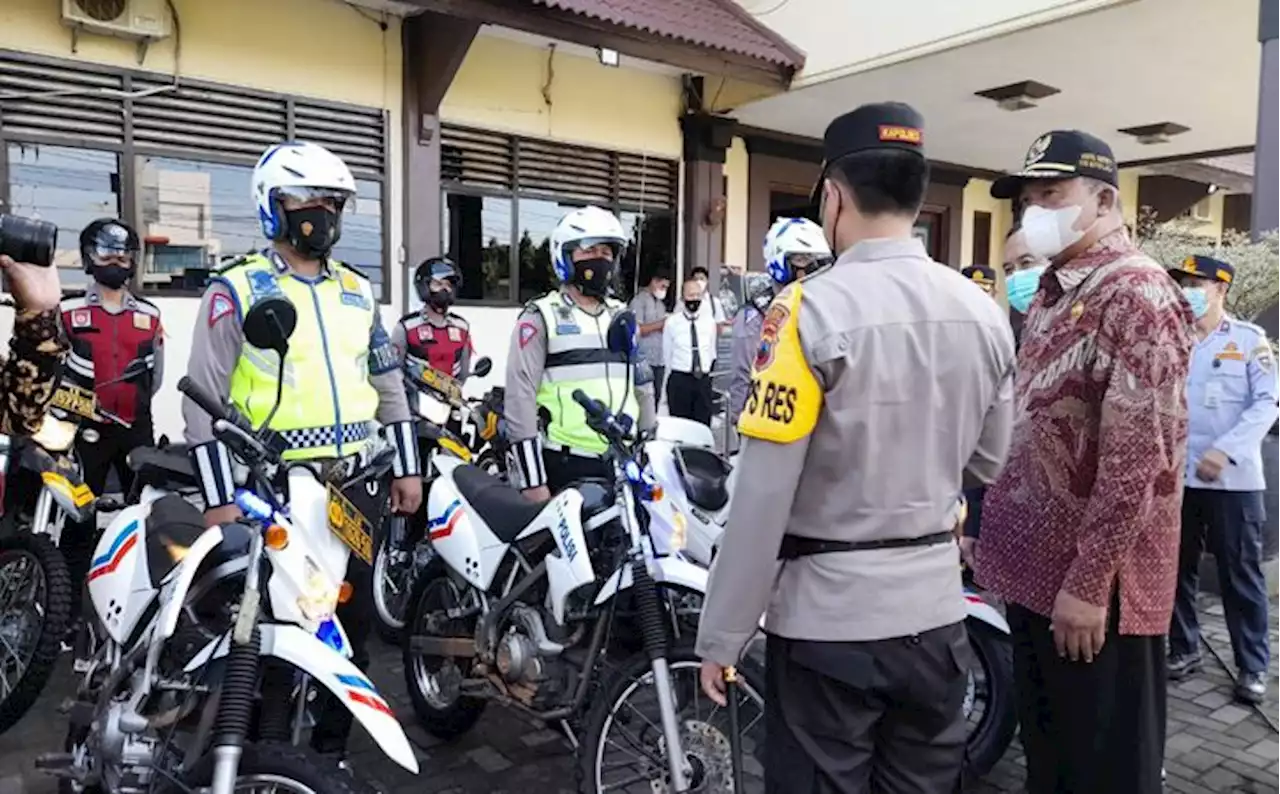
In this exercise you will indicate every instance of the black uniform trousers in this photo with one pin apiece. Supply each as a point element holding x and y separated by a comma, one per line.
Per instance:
<point>1229,523</point>
<point>564,469</point>
<point>1089,728</point>
<point>333,717</point>
<point>854,717</point>
<point>689,396</point>
<point>109,450</point>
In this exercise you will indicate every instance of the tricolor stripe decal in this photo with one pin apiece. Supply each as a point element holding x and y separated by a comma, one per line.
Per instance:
<point>442,527</point>
<point>362,691</point>
<point>120,548</point>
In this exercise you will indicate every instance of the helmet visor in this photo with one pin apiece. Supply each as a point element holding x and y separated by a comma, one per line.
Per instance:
<point>804,263</point>
<point>112,244</point>
<point>297,198</point>
<point>595,247</point>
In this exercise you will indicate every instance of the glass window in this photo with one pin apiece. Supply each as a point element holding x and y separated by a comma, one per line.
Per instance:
<point>193,214</point>
<point>538,218</point>
<point>477,236</point>
<point>361,243</point>
<point>68,187</point>
<point>651,248</point>
<point>791,205</point>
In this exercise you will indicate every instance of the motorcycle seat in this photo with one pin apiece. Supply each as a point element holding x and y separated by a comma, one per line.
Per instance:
<point>504,509</point>
<point>172,527</point>
<point>168,465</point>
<point>704,475</point>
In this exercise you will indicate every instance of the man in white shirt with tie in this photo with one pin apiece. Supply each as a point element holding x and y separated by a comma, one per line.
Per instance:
<point>689,345</point>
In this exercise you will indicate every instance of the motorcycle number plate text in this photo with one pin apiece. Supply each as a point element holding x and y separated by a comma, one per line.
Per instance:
<point>442,384</point>
<point>76,400</point>
<point>350,525</point>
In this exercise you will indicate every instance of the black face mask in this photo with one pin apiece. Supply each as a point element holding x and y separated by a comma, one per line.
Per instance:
<point>440,299</point>
<point>313,231</point>
<point>692,306</point>
<point>592,276</point>
<point>112,276</point>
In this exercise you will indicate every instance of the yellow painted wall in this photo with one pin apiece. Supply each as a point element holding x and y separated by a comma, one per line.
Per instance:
<point>736,168</point>
<point>1129,195</point>
<point>339,55</point>
<point>977,198</point>
<point>500,87</point>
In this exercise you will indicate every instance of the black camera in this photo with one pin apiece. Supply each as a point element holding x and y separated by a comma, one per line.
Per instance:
<point>28,240</point>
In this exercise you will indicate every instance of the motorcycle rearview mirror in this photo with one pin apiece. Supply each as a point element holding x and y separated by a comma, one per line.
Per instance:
<point>482,367</point>
<point>270,323</point>
<point>622,333</point>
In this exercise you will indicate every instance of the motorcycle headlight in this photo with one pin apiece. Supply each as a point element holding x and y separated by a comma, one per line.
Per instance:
<point>319,597</point>
<point>55,435</point>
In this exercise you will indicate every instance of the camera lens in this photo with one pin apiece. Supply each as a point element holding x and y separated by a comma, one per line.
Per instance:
<point>28,240</point>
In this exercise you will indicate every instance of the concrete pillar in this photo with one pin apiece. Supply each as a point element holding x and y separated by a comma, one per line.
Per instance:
<point>706,139</point>
<point>434,48</point>
<point>1266,174</point>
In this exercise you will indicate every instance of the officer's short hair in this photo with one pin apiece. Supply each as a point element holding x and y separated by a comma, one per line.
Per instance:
<point>884,181</point>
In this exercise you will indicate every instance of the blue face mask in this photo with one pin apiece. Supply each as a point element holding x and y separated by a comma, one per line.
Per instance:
<point>1022,287</point>
<point>1199,300</point>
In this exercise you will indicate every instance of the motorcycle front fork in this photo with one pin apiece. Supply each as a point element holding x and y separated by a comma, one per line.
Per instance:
<point>653,627</point>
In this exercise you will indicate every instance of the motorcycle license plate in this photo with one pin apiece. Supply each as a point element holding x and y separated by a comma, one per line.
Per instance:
<point>442,384</point>
<point>76,400</point>
<point>350,525</point>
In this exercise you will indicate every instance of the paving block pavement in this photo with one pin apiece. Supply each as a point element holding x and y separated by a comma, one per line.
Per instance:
<point>1214,746</point>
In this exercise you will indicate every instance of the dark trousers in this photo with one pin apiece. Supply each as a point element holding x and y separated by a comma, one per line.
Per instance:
<point>852,717</point>
<point>1089,728</point>
<point>564,469</point>
<point>658,382</point>
<point>1229,523</point>
<point>689,396</point>
<point>333,717</point>
<point>109,450</point>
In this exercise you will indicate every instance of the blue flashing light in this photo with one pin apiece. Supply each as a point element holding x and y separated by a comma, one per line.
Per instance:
<point>329,634</point>
<point>253,505</point>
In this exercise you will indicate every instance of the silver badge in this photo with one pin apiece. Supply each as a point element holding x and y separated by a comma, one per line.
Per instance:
<point>90,435</point>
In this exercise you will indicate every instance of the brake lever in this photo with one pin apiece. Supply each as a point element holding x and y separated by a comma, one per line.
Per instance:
<point>225,427</point>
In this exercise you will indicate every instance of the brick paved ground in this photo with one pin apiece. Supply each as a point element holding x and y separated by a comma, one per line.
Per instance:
<point>1214,747</point>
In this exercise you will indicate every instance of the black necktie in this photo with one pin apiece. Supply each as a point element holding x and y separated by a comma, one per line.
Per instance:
<point>693,340</point>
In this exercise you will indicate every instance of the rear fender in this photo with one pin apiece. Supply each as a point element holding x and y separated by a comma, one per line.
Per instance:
<point>335,673</point>
<point>977,609</point>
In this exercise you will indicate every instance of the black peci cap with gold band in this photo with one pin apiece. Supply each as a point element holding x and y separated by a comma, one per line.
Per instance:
<point>1061,154</point>
<point>1205,267</point>
<point>883,125</point>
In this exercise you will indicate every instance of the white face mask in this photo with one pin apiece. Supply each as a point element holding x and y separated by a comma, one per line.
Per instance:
<point>661,294</point>
<point>1048,233</point>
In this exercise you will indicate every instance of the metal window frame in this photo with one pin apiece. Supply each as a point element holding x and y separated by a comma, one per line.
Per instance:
<point>516,193</point>
<point>129,152</point>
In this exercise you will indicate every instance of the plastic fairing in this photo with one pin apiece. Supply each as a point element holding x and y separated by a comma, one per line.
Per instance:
<point>671,571</point>
<point>339,676</point>
<point>119,578</point>
<point>978,609</point>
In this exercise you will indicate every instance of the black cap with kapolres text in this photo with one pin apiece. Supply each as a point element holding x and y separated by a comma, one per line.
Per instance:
<point>1061,154</point>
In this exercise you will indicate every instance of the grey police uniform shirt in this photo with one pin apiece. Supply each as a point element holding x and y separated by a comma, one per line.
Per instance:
<point>916,366</point>
<point>216,349</point>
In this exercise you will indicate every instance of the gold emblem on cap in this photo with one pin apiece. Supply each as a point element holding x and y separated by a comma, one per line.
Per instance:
<point>893,132</point>
<point>1038,149</point>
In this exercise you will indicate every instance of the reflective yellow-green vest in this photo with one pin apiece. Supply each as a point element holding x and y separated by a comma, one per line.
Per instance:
<point>578,357</point>
<point>327,402</point>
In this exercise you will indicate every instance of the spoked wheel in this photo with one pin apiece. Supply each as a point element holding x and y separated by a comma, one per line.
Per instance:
<point>623,748</point>
<point>435,682</point>
<point>988,702</point>
<point>394,571</point>
<point>35,611</point>
<point>271,768</point>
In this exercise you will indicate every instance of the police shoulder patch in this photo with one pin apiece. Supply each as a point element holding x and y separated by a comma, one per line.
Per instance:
<point>785,398</point>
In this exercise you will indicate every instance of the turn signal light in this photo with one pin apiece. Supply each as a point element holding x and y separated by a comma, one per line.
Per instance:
<point>656,493</point>
<point>276,537</point>
<point>345,591</point>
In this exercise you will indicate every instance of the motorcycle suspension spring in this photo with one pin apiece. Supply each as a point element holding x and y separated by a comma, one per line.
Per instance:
<point>653,626</point>
<point>239,685</point>
<point>276,715</point>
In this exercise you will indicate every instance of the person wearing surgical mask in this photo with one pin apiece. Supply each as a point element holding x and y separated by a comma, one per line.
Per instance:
<point>1231,398</point>
<point>1080,532</point>
<point>650,307</point>
<point>1022,271</point>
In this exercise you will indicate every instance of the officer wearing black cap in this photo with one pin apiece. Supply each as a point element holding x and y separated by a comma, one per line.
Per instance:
<point>981,275</point>
<point>1231,403</point>
<point>842,518</point>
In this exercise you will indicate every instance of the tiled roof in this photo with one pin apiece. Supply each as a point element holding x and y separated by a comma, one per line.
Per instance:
<point>716,24</point>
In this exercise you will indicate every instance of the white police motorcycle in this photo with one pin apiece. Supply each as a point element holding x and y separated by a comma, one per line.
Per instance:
<point>201,646</point>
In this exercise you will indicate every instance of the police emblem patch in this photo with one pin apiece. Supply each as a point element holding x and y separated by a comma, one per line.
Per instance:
<point>426,334</point>
<point>81,318</point>
<point>220,306</point>
<point>142,321</point>
<point>773,322</point>
<point>527,332</point>
<point>1038,149</point>
<point>262,284</point>
<point>455,334</point>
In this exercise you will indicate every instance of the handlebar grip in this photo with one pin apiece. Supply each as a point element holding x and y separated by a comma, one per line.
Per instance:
<point>207,402</point>
<point>593,407</point>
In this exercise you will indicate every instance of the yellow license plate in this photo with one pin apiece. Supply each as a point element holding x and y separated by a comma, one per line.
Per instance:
<point>350,525</point>
<point>447,387</point>
<point>76,400</point>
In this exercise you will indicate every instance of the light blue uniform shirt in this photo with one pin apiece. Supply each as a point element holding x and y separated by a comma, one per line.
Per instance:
<point>1231,404</point>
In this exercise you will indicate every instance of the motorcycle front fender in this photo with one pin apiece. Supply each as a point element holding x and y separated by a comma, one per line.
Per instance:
<point>331,669</point>
<point>977,609</point>
<point>670,571</point>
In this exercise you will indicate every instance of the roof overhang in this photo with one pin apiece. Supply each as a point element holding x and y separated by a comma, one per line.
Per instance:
<point>767,65</point>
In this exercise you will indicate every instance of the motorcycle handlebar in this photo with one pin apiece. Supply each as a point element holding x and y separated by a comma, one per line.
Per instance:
<point>207,402</point>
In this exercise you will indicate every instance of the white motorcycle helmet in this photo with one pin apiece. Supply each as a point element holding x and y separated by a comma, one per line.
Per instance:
<point>794,244</point>
<point>584,228</point>
<point>303,172</point>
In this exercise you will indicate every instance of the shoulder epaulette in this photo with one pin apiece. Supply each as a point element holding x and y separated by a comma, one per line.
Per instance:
<point>352,269</point>
<point>458,317</point>
<point>237,262</point>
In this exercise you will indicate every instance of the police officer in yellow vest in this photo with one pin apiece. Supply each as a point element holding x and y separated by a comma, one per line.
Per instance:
<point>559,345</point>
<point>338,378</point>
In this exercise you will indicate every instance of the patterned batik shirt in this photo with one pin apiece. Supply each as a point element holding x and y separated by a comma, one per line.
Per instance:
<point>1091,495</point>
<point>30,376</point>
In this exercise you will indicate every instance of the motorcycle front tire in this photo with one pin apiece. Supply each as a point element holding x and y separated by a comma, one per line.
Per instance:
<point>987,743</point>
<point>53,629</point>
<point>279,765</point>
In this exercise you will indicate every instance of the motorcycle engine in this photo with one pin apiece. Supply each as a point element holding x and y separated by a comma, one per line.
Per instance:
<point>527,661</point>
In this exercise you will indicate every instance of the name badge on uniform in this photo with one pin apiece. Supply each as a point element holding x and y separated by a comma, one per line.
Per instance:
<point>455,334</point>
<point>1230,353</point>
<point>565,322</point>
<point>262,284</point>
<point>352,295</point>
<point>142,321</point>
<point>81,318</point>
<point>426,334</point>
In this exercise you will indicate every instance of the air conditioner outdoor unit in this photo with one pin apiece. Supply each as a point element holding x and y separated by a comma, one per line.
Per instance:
<point>139,20</point>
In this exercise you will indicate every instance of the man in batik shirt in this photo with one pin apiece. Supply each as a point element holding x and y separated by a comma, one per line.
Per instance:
<point>1080,533</point>
<point>29,377</point>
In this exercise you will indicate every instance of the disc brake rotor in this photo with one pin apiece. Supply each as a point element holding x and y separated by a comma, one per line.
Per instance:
<point>710,762</point>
